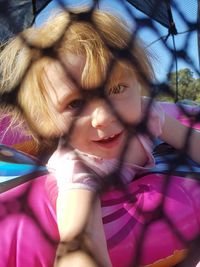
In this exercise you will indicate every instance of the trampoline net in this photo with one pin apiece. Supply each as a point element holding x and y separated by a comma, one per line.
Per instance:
<point>157,89</point>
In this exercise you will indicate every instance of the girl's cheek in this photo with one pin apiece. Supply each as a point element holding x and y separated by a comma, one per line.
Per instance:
<point>64,123</point>
<point>131,115</point>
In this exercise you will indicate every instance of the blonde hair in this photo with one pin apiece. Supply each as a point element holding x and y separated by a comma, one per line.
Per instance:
<point>99,40</point>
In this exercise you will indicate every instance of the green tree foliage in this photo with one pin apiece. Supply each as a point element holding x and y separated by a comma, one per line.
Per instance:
<point>188,86</point>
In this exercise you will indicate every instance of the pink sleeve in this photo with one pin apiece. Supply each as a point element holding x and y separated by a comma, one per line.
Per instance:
<point>156,117</point>
<point>71,172</point>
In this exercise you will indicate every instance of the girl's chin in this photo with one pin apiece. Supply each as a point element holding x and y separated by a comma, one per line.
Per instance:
<point>107,156</point>
<point>102,155</point>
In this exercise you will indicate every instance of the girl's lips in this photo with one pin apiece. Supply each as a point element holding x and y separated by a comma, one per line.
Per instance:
<point>109,142</point>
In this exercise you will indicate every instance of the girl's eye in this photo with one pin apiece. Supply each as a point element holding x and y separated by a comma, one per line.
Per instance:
<point>118,89</point>
<point>75,104</point>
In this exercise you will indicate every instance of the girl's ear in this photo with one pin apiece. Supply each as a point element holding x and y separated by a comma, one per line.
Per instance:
<point>144,90</point>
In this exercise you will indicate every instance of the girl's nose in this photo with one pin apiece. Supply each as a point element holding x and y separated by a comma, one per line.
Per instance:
<point>102,116</point>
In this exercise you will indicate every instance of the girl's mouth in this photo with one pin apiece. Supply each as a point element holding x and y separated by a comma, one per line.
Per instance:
<point>109,141</point>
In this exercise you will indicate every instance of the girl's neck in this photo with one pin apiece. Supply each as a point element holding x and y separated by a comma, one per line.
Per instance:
<point>136,153</point>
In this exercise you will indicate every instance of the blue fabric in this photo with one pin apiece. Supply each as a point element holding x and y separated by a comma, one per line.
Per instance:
<point>17,168</point>
<point>170,161</point>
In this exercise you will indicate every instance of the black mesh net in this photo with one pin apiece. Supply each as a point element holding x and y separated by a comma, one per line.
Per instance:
<point>156,216</point>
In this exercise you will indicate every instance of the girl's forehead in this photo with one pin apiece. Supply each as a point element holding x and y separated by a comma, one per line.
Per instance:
<point>70,66</point>
<point>71,71</point>
<point>64,75</point>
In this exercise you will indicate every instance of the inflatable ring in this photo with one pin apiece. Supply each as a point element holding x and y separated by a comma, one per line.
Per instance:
<point>144,220</point>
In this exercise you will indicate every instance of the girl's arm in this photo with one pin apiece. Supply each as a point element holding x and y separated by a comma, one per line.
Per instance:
<point>174,133</point>
<point>79,216</point>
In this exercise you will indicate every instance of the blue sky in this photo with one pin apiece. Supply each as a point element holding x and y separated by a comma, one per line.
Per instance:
<point>163,58</point>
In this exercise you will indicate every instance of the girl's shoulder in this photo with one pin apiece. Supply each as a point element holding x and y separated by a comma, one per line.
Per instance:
<point>154,114</point>
<point>66,158</point>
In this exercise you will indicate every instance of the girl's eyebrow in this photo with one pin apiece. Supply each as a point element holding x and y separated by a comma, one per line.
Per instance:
<point>65,99</point>
<point>62,100</point>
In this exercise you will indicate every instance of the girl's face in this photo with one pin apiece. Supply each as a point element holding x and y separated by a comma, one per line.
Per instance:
<point>97,130</point>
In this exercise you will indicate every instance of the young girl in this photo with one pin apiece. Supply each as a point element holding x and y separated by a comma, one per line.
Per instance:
<point>81,81</point>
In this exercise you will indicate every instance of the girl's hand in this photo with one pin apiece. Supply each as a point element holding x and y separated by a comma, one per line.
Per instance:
<point>65,248</point>
<point>78,258</point>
